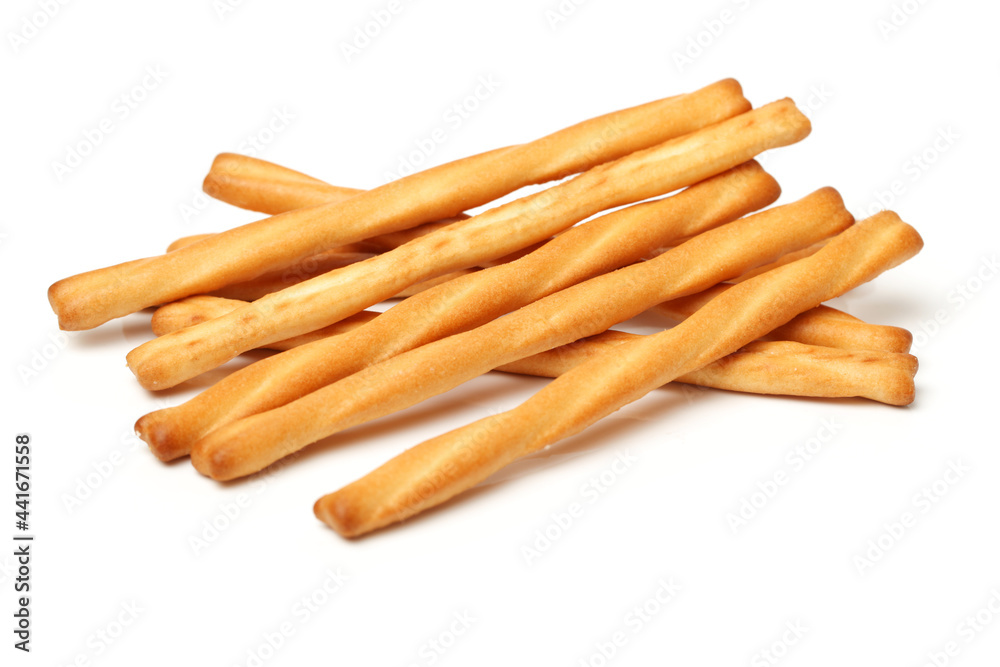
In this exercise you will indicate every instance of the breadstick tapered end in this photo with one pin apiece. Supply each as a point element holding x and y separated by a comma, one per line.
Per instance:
<point>154,429</point>
<point>338,516</point>
<point>61,300</point>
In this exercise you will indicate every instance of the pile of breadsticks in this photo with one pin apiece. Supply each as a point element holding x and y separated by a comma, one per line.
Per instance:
<point>532,286</point>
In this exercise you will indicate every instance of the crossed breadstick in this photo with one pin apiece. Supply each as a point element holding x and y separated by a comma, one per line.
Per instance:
<point>320,301</point>
<point>584,309</point>
<point>438,469</point>
<point>89,299</point>
<point>595,247</point>
<point>821,325</point>
<point>497,291</point>
<point>783,367</point>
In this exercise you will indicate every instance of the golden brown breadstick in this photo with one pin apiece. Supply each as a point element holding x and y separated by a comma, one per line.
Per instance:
<point>361,246</point>
<point>265,187</point>
<point>310,267</point>
<point>781,261</point>
<point>313,304</point>
<point>89,299</point>
<point>196,309</point>
<point>581,310</point>
<point>438,469</point>
<point>275,281</point>
<point>823,325</point>
<point>774,367</point>
<point>594,247</point>
<point>762,367</point>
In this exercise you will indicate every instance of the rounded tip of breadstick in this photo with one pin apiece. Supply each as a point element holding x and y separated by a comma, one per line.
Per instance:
<point>61,301</point>
<point>154,431</point>
<point>732,84</point>
<point>801,122</point>
<point>212,458</point>
<point>147,374</point>
<point>900,390</point>
<point>338,514</point>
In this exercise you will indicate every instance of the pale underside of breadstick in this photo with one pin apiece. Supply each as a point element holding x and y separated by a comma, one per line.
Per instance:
<point>438,469</point>
<point>823,325</point>
<point>587,308</point>
<point>313,304</point>
<point>595,247</point>
<point>90,299</point>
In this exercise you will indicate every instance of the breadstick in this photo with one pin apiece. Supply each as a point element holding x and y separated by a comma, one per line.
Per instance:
<point>781,261</point>
<point>823,325</point>
<point>762,367</point>
<point>361,246</point>
<point>582,310</point>
<point>313,304</point>
<point>89,299</point>
<point>265,187</point>
<point>196,309</point>
<point>778,367</point>
<point>438,469</point>
<point>590,249</point>
<point>276,281</point>
<point>324,262</point>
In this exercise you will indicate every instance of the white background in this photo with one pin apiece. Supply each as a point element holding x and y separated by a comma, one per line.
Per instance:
<point>876,99</point>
